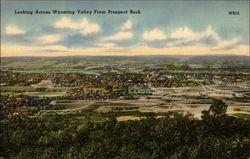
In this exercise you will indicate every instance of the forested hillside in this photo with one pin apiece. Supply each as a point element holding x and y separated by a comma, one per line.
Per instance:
<point>174,136</point>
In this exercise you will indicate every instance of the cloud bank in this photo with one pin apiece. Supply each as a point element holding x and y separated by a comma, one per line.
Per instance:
<point>71,35</point>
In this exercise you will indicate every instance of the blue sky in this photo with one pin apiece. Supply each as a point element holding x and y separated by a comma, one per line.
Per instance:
<point>163,27</point>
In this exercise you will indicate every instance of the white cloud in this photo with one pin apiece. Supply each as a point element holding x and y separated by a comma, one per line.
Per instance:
<point>154,35</point>
<point>48,39</point>
<point>13,30</point>
<point>187,34</point>
<point>121,36</point>
<point>106,44</point>
<point>66,23</point>
<point>228,43</point>
<point>127,25</point>
<point>90,28</point>
<point>184,37</point>
<point>210,32</point>
<point>184,32</point>
<point>84,25</point>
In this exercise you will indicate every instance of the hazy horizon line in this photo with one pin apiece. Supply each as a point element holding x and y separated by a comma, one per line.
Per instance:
<point>130,55</point>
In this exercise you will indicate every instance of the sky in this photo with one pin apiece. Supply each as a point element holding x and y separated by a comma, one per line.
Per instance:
<point>161,28</point>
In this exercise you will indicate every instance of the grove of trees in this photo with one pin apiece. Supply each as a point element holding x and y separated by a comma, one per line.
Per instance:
<point>174,136</point>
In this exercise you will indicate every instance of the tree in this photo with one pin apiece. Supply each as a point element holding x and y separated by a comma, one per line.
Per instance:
<point>217,108</point>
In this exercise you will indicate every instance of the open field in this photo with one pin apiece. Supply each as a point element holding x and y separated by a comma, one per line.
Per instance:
<point>36,93</point>
<point>146,105</point>
<point>124,118</point>
<point>184,99</point>
<point>43,89</point>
